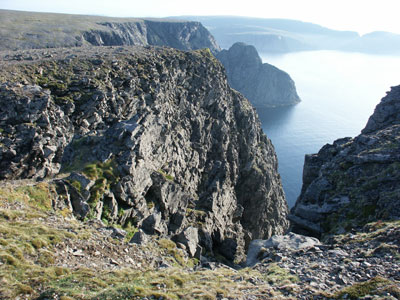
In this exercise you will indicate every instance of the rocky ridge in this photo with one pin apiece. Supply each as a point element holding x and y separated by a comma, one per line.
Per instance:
<point>152,138</point>
<point>46,30</point>
<point>355,180</point>
<point>263,84</point>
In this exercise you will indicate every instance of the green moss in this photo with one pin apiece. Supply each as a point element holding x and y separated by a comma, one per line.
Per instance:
<point>63,100</point>
<point>375,286</point>
<point>38,196</point>
<point>150,204</point>
<point>276,275</point>
<point>77,185</point>
<point>165,175</point>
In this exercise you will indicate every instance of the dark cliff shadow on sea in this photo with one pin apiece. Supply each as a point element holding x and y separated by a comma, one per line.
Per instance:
<point>276,125</point>
<point>275,116</point>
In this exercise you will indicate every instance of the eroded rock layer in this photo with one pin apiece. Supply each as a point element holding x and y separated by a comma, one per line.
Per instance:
<point>151,137</point>
<point>355,180</point>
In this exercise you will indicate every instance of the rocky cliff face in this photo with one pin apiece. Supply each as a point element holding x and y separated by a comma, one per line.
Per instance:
<point>150,137</point>
<point>26,30</point>
<point>354,180</point>
<point>180,35</point>
<point>263,84</point>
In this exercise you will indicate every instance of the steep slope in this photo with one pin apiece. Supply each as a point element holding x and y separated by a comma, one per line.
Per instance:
<point>27,30</point>
<point>354,180</point>
<point>263,84</point>
<point>153,137</point>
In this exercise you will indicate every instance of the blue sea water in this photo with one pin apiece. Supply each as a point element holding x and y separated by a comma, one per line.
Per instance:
<point>339,91</point>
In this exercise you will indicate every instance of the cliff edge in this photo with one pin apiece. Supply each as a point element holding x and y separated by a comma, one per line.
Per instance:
<point>28,30</point>
<point>355,180</point>
<point>263,84</point>
<point>148,137</point>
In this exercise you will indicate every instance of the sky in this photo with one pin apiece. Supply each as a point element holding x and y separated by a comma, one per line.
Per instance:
<point>362,16</point>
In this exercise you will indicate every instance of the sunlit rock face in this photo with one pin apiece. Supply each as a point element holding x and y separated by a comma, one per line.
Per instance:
<point>154,137</point>
<point>263,84</point>
<point>355,180</point>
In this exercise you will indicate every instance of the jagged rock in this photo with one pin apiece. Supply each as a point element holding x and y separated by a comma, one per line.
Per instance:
<point>113,232</point>
<point>23,123</point>
<point>73,197</point>
<point>190,238</point>
<point>154,225</point>
<point>84,183</point>
<point>263,84</point>
<point>355,180</point>
<point>139,238</point>
<point>168,144</point>
<point>289,242</point>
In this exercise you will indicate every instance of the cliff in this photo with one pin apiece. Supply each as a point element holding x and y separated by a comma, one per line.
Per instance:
<point>27,30</point>
<point>355,180</point>
<point>148,137</point>
<point>263,84</point>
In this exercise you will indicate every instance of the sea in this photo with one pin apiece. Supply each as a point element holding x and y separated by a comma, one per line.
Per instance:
<point>339,91</point>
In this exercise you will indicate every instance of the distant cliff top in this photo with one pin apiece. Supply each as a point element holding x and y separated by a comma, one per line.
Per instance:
<point>29,30</point>
<point>263,84</point>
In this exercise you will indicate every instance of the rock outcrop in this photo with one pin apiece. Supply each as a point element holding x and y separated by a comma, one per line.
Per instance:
<point>354,180</point>
<point>263,84</point>
<point>290,242</point>
<point>45,30</point>
<point>151,137</point>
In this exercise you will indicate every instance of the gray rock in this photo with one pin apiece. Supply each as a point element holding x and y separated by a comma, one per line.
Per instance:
<point>113,232</point>
<point>74,197</point>
<point>168,142</point>
<point>354,181</point>
<point>153,224</point>
<point>263,84</point>
<point>190,238</point>
<point>289,242</point>
<point>139,238</point>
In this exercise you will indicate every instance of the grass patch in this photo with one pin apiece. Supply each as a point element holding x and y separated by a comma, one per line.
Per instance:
<point>276,275</point>
<point>38,196</point>
<point>375,286</point>
<point>166,176</point>
<point>26,253</point>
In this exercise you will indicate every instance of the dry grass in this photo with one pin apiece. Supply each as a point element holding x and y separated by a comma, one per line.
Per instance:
<point>28,269</point>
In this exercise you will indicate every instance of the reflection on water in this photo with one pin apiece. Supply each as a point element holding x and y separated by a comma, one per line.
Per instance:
<point>339,92</point>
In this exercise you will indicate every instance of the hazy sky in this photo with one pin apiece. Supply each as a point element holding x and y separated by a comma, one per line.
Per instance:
<point>358,15</point>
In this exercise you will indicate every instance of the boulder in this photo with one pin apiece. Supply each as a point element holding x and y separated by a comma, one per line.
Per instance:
<point>139,238</point>
<point>289,242</point>
<point>190,238</point>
